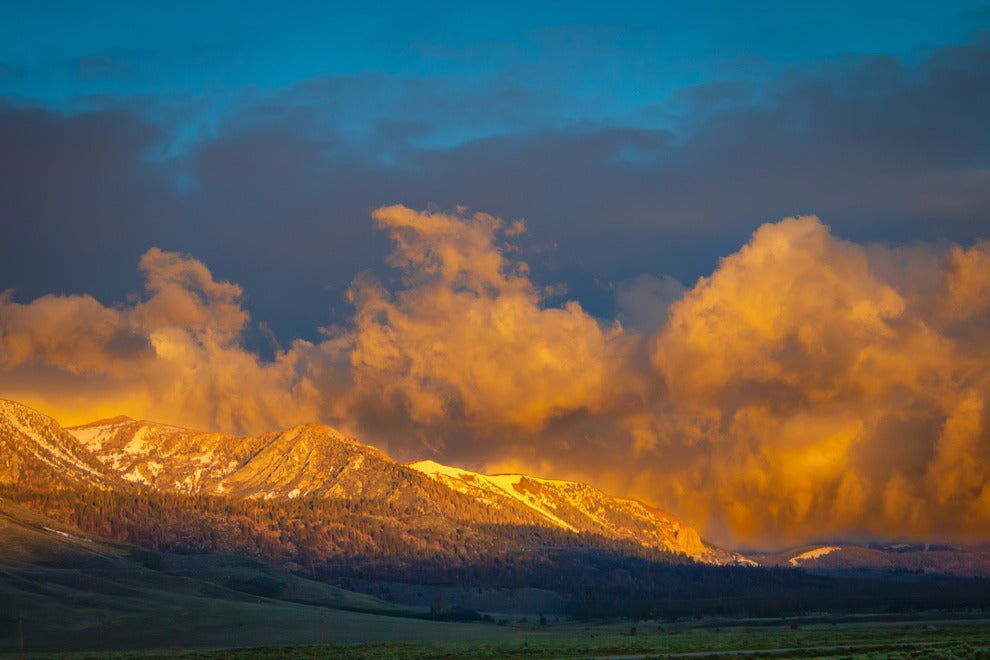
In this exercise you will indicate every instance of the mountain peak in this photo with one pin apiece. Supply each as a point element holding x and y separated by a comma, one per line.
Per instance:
<point>108,421</point>
<point>9,406</point>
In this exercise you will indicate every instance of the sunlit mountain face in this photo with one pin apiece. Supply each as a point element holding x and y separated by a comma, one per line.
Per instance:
<point>709,282</point>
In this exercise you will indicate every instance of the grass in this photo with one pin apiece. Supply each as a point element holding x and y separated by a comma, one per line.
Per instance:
<point>945,639</point>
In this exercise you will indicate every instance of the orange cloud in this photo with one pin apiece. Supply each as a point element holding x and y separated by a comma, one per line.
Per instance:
<point>809,388</point>
<point>174,355</point>
<point>469,339</point>
<point>829,401</point>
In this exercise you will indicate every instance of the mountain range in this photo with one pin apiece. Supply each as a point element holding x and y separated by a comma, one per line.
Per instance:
<point>316,463</point>
<point>313,461</point>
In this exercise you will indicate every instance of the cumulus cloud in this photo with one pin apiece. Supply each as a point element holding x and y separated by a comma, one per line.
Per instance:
<point>833,399</point>
<point>468,338</point>
<point>810,387</point>
<point>175,354</point>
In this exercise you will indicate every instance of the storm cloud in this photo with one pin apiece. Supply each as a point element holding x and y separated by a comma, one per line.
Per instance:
<point>886,150</point>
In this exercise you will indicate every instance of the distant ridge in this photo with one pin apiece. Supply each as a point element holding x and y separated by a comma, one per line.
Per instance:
<point>119,419</point>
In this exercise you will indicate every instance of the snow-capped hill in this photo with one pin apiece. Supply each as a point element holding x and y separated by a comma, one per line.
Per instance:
<point>498,491</point>
<point>309,460</point>
<point>579,507</point>
<point>316,460</point>
<point>811,555</point>
<point>36,452</point>
<point>165,457</point>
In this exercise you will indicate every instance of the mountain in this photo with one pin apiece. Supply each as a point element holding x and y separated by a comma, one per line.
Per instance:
<point>146,520</point>
<point>306,461</point>
<point>579,507</point>
<point>35,451</point>
<point>425,503</point>
<point>314,460</point>
<point>311,460</point>
<point>923,557</point>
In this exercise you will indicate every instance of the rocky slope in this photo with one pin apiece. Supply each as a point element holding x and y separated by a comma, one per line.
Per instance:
<point>36,452</point>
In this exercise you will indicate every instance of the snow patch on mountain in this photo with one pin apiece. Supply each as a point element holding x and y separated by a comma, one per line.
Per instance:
<point>812,554</point>
<point>578,507</point>
<point>136,444</point>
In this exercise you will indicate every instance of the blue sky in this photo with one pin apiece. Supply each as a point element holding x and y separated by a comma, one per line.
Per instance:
<point>601,61</point>
<point>633,137</point>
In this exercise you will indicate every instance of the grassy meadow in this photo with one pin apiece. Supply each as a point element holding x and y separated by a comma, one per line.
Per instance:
<point>915,639</point>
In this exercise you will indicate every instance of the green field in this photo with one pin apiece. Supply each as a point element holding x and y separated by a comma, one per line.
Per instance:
<point>941,639</point>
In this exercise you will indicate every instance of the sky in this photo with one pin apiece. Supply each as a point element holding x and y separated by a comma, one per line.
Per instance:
<point>728,258</point>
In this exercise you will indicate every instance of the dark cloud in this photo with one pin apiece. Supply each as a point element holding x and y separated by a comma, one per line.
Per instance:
<point>277,199</point>
<point>79,199</point>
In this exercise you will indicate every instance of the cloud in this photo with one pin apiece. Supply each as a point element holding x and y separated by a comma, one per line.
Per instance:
<point>808,388</point>
<point>829,401</point>
<point>886,151</point>
<point>642,302</point>
<point>468,338</point>
<point>175,354</point>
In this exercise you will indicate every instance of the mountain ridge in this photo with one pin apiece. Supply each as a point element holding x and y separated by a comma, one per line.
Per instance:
<point>316,460</point>
<point>36,450</point>
<point>578,506</point>
<point>307,461</point>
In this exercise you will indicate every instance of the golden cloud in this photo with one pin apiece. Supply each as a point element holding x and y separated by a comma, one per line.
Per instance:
<point>469,338</point>
<point>809,388</point>
<point>830,401</point>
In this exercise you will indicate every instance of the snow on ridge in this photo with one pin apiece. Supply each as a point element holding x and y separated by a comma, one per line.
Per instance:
<point>812,554</point>
<point>46,444</point>
<point>137,444</point>
<point>542,480</point>
<point>431,468</point>
<point>502,484</point>
<point>548,496</point>
<point>508,482</point>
